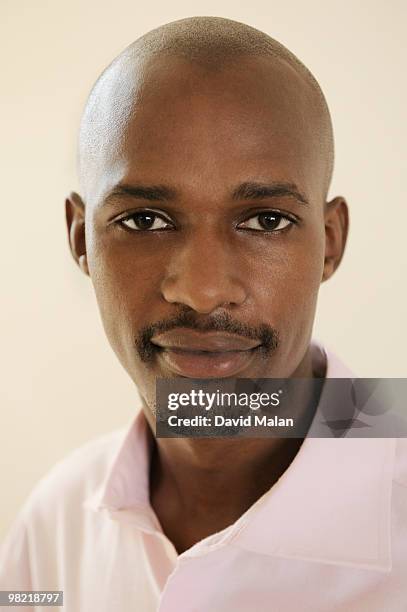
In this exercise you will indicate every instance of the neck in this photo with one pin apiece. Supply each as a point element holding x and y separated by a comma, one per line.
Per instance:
<point>199,486</point>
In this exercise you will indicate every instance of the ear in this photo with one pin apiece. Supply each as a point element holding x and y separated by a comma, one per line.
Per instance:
<point>75,220</point>
<point>336,232</point>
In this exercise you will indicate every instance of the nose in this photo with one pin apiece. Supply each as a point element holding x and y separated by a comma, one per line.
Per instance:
<point>204,274</point>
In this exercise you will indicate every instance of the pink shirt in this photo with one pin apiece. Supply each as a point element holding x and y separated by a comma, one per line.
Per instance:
<point>330,535</point>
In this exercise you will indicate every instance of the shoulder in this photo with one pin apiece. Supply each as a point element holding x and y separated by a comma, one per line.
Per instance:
<point>53,522</point>
<point>72,480</point>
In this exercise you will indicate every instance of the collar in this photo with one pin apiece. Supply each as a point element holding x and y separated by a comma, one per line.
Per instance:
<point>124,494</point>
<point>332,505</point>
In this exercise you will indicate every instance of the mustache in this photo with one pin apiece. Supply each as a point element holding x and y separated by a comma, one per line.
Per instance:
<point>222,322</point>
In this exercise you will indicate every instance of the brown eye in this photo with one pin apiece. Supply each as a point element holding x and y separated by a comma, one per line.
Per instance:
<point>267,222</point>
<point>144,221</point>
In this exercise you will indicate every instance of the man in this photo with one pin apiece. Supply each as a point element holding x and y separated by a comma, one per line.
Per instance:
<point>206,155</point>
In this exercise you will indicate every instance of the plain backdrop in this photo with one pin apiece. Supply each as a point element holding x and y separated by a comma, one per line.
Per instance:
<point>61,383</point>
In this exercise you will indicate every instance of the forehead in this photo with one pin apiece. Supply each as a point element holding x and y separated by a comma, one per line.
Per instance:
<point>194,125</point>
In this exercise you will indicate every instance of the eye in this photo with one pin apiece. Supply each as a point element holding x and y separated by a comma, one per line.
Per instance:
<point>145,221</point>
<point>267,222</point>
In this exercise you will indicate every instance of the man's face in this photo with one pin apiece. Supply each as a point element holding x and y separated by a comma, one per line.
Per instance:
<point>206,243</point>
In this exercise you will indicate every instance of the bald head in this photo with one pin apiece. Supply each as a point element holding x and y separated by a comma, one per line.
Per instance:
<point>206,46</point>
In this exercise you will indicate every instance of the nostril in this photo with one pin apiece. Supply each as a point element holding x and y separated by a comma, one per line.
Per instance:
<point>203,295</point>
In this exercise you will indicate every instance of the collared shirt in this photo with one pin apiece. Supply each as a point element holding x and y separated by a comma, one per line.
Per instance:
<point>330,534</point>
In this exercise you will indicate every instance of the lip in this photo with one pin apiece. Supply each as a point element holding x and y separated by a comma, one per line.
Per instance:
<point>214,342</point>
<point>195,354</point>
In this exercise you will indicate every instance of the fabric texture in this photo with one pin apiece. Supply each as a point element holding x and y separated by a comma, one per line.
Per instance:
<point>330,534</point>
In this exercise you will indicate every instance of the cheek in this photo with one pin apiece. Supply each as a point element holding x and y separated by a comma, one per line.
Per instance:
<point>288,281</point>
<point>126,284</point>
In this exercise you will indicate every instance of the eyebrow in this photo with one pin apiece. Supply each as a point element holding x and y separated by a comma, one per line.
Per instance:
<point>246,191</point>
<point>259,191</point>
<point>153,193</point>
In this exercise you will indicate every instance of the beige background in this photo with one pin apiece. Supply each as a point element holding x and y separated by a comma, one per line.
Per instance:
<point>61,383</point>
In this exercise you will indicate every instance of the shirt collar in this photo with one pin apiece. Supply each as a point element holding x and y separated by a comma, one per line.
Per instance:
<point>332,505</point>
<point>124,494</point>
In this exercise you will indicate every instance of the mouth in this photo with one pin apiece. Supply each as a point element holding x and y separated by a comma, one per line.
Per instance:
<point>193,354</point>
